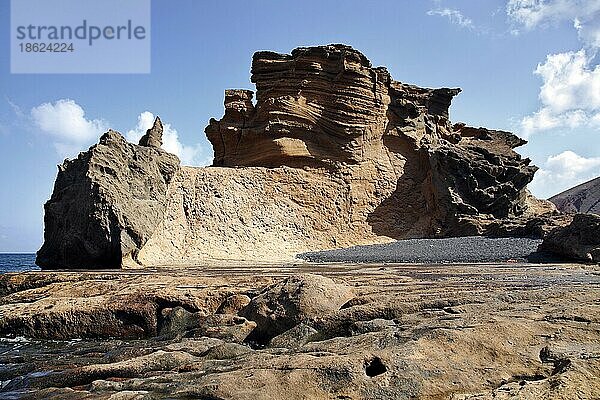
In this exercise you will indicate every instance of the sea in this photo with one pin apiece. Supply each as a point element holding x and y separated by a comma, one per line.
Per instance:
<point>10,262</point>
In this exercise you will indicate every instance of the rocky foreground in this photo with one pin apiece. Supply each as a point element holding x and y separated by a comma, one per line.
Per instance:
<point>478,331</point>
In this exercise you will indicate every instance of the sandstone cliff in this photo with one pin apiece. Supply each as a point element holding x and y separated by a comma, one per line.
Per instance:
<point>333,153</point>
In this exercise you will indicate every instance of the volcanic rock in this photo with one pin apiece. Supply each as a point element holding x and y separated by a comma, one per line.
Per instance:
<point>327,110</point>
<point>584,198</point>
<point>477,331</point>
<point>580,240</point>
<point>285,304</point>
<point>153,136</point>
<point>333,153</point>
<point>106,204</point>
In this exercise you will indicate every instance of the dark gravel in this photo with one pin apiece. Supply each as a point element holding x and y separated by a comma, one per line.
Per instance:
<point>473,249</point>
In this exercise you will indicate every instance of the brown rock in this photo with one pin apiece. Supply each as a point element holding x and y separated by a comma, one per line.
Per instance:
<point>153,136</point>
<point>580,240</point>
<point>285,304</point>
<point>106,204</point>
<point>233,304</point>
<point>327,108</point>
<point>432,332</point>
<point>334,153</point>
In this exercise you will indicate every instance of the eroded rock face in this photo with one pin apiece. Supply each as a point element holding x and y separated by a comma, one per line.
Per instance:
<point>153,136</point>
<point>334,153</point>
<point>285,304</point>
<point>326,109</point>
<point>106,203</point>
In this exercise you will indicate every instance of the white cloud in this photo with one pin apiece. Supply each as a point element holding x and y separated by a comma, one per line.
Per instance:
<point>454,16</point>
<point>189,155</point>
<point>570,93</point>
<point>65,121</point>
<point>584,14</point>
<point>563,171</point>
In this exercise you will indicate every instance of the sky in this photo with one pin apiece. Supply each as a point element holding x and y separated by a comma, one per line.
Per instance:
<point>527,66</point>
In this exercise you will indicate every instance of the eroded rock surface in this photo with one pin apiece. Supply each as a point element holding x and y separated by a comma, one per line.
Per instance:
<point>328,110</point>
<point>106,204</point>
<point>334,153</point>
<point>287,303</point>
<point>153,136</point>
<point>508,331</point>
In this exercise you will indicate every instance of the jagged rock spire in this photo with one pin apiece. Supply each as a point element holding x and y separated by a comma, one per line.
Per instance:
<point>153,136</point>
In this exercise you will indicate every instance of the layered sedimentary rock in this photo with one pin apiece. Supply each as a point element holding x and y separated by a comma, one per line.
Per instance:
<point>327,110</point>
<point>333,153</point>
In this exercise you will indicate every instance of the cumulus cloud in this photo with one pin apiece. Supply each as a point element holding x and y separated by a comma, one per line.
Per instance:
<point>584,14</point>
<point>189,155</point>
<point>569,95</point>
<point>563,171</point>
<point>454,16</point>
<point>570,92</point>
<point>65,122</point>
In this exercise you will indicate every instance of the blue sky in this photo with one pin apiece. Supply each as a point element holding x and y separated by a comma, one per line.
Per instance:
<point>524,66</point>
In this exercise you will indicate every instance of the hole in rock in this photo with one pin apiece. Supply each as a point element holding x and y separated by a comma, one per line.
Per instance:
<point>375,367</point>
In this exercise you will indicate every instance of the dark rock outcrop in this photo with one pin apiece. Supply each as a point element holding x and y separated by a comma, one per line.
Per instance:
<point>153,136</point>
<point>580,240</point>
<point>584,198</point>
<point>106,204</point>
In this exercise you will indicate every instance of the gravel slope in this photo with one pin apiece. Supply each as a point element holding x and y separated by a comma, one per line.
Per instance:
<point>448,250</point>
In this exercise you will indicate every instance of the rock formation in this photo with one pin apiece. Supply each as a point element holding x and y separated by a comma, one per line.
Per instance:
<point>153,136</point>
<point>579,240</point>
<point>287,303</point>
<point>584,198</point>
<point>333,153</point>
<point>434,332</point>
<point>327,110</point>
<point>106,203</point>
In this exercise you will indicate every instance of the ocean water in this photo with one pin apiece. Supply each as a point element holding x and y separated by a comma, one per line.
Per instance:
<point>17,262</point>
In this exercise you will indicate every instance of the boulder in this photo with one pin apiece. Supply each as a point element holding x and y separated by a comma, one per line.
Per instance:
<point>106,204</point>
<point>287,303</point>
<point>580,240</point>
